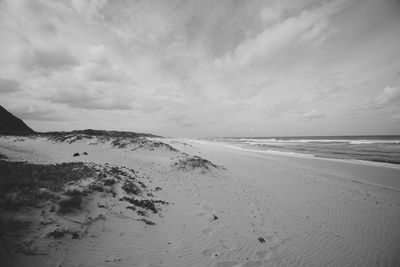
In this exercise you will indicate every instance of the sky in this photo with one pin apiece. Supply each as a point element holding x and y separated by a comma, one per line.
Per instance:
<point>202,68</point>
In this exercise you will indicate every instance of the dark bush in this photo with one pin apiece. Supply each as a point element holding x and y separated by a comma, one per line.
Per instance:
<point>109,182</point>
<point>96,187</point>
<point>191,163</point>
<point>58,233</point>
<point>14,225</point>
<point>67,204</point>
<point>131,188</point>
<point>19,175</point>
<point>131,207</point>
<point>141,213</point>
<point>145,203</point>
<point>147,221</point>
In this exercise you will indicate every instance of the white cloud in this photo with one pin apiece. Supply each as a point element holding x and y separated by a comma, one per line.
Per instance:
<point>309,27</point>
<point>389,96</point>
<point>312,114</point>
<point>89,9</point>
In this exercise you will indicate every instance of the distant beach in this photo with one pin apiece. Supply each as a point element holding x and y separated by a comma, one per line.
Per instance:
<point>375,148</point>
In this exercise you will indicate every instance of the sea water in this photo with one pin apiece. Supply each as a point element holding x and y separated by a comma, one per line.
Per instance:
<point>376,148</point>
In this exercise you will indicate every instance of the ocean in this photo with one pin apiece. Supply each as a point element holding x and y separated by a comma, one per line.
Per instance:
<point>374,148</point>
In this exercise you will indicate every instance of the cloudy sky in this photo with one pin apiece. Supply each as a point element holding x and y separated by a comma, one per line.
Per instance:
<point>203,68</point>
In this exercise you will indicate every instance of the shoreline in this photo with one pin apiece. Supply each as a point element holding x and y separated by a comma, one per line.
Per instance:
<point>304,155</point>
<point>226,208</point>
<point>390,181</point>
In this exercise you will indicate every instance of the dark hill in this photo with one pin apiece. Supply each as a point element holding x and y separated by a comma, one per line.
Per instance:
<point>11,125</point>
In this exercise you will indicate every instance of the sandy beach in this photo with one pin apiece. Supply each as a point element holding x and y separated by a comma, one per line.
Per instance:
<point>234,208</point>
<point>199,133</point>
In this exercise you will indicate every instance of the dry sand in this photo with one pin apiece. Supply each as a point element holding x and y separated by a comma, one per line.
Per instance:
<point>251,210</point>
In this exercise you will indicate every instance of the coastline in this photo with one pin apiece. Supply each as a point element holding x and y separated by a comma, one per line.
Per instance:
<point>365,149</point>
<point>371,172</point>
<point>244,209</point>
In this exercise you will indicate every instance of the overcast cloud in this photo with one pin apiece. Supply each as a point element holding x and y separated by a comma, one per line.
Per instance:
<point>203,68</point>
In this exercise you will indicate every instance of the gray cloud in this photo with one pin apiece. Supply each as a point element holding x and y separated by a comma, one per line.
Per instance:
<point>50,60</point>
<point>203,67</point>
<point>36,113</point>
<point>103,104</point>
<point>281,108</point>
<point>9,86</point>
<point>89,99</point>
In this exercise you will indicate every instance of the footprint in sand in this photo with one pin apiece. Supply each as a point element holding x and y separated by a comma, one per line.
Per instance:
<point>200,213</point>
<point>274,248</point>
<point>211,217</point>
<point>252,264</point>
<point>175,247</point>
<point>264,255</point>
<point>228,264</point>
<point>207,207</point>
<point>209,253</point>
<point>208,231</point>
<point>228,245</point>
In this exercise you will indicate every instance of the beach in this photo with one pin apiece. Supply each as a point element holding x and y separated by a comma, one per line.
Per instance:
<point>199,133</point>
<point>223,207</point>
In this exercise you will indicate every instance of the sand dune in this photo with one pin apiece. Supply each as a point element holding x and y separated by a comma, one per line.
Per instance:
<point>226,208</point>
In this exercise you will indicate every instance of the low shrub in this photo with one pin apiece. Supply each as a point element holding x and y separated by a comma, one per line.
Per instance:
<point>69,203</point>
<point>131,188</point>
